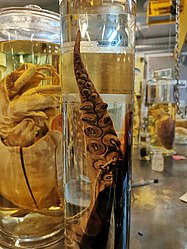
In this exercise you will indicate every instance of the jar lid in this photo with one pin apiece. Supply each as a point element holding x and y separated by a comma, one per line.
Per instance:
<point>29,22</point>
<point>30,9</point>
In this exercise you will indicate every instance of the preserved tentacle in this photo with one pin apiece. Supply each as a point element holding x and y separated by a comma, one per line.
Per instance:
<point>104,157</point>
<point>99,117</point>
<point>86,106</point>
<point>101,165</point>
<point>100,107</point>
<point>105,121</point>
<point>96,147</point>
<point>111,140</point>
<point>93,131</point>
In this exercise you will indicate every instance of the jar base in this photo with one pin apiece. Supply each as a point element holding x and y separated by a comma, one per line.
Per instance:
<point>13,242</point>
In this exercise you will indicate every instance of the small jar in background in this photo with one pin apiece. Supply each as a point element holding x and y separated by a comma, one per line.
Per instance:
<point>157,160</point>
<point>144,146</point>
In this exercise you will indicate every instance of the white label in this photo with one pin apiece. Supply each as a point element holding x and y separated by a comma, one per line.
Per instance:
<point>158,163</point>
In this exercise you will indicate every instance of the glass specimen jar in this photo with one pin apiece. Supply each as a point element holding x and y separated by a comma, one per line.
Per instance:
<point>97,80</point>
<point>31,207</point>
<point>161,114</point>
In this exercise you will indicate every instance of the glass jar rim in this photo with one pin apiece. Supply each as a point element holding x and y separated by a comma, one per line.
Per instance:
<point>31,9</point>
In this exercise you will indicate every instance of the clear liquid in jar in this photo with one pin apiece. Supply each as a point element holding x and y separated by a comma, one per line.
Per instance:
<point>30,193</point>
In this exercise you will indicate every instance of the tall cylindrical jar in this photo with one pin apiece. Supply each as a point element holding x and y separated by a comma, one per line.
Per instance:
<point>161,114</point>
<point>97,80</point>
<point>31,207</point>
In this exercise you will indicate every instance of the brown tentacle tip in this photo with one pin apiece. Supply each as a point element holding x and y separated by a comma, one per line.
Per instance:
<point>77,43</point>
